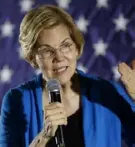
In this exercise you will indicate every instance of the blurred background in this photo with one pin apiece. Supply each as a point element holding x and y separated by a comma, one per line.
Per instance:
<point>108,27</point>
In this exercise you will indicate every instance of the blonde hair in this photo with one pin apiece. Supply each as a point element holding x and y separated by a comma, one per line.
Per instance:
<point>45,17</point>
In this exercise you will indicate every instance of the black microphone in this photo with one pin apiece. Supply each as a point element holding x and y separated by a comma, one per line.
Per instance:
<point>53,87</point>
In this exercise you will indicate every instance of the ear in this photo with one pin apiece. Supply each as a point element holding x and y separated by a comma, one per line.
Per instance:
<point>78,53</point>
<point>33,63</point>
<point>38,61</point>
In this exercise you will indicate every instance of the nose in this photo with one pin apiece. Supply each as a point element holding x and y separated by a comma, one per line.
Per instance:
<point>58,56</point>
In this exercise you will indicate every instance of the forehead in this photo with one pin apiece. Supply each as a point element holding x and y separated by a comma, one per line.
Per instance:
<point>53,36</point>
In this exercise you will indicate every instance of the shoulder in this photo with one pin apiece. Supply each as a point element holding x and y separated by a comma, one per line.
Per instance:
<point>14,97</point>
<point>103,86</point>
<point>93,80</point>
<point>106,88</point>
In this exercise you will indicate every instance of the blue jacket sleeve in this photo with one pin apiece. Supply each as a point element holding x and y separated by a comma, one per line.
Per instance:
<point>127,114</point>
<point>12,123</point>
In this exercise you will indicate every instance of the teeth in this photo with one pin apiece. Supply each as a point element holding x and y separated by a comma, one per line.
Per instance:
<point>60,69</point>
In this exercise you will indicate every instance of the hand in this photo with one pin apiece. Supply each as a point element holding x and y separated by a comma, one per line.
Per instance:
<point>55,114</point>
<point>128,77</point>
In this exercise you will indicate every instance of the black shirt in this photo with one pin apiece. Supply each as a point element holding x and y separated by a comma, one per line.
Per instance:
<point>73,134</point>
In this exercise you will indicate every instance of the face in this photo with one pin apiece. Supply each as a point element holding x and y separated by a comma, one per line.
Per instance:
<point>57,54</point>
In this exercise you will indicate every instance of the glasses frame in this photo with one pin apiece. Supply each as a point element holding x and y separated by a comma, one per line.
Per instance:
<point>54,50</point>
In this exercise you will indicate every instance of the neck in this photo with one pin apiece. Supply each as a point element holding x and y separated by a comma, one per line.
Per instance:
<point>71,88</point>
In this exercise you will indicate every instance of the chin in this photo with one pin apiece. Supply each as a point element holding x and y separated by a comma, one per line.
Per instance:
<point>64,80</point>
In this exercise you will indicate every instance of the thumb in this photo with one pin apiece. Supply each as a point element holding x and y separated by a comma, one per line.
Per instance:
<point>133,64</point>
<point>54,130</point>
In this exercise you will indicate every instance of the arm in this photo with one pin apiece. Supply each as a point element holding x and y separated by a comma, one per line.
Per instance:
<point>127,114</point>
<point>128,80</point>
<point>12,124</point>
<point>40,140</point>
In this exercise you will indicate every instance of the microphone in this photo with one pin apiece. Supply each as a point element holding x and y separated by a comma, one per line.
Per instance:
<point>53,87</point>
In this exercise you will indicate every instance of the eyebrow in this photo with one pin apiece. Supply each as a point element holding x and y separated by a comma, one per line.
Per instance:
<point>51,46</point>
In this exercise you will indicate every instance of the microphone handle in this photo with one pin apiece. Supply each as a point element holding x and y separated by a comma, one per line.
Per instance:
<point>59,138</point>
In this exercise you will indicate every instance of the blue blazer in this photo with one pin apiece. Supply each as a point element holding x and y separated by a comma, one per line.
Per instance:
<point>108,113</point>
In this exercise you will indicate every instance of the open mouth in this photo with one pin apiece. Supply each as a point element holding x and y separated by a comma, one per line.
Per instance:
<point>61,69</point>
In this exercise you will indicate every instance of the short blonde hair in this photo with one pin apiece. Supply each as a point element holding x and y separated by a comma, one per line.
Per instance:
<point>45,17</point>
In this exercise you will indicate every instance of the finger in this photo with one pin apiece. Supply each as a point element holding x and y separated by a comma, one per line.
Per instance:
<point>54,105</point>
<point>128,86</point>
<point>47,131</point>
<point>54,130</point>
<point>55,111</point>
<point>133,64</point>
<point>59,122</point>
<point>47,125</point>
<point>55,117</point>
<point>124,69</point>
<point>124,81</point>
<point>50,131</point>
<point>51,128</point>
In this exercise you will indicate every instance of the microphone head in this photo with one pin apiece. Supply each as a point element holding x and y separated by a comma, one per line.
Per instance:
<point>53,85</point>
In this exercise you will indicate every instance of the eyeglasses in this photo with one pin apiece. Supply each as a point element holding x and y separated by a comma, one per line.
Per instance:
<point>47,52</point>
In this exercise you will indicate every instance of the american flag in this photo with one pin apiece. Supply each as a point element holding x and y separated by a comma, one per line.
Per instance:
<point>108,27</point>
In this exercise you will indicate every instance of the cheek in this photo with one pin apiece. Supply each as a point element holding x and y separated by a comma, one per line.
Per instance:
<point>46,69</point>
<point>43,65</point>
<point>72,58</point>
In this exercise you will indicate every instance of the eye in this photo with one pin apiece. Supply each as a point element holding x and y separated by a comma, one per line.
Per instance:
<point>67,44</point>
<point>45,52</point>
<point>66,47</point>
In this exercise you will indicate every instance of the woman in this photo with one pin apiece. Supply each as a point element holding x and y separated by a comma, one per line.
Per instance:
<point>93,111</point>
